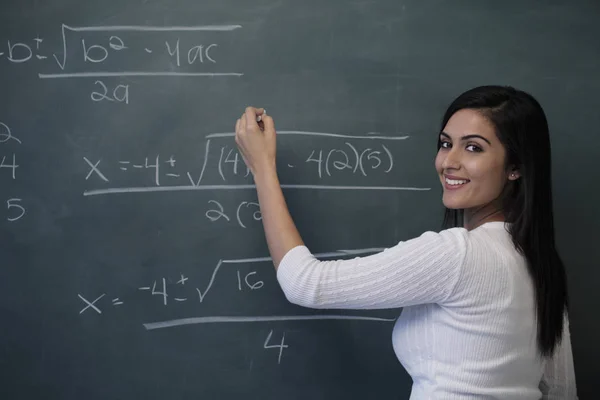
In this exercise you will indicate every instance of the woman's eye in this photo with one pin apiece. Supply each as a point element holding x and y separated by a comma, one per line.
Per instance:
<point>445,145</point>
<point>474,148</point>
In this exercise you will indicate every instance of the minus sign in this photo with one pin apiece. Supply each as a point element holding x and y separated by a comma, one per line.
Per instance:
<point>148,50</point>
<point>290,165</point>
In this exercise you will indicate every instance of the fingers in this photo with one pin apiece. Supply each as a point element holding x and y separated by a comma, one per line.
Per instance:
<point>254,111</point>
<point>250,117</point>
<point>245,159</point>
<point>248,122</point>
<point>269,124</point>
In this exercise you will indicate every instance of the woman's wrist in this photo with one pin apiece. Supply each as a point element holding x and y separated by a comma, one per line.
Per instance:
<point>266,173</point>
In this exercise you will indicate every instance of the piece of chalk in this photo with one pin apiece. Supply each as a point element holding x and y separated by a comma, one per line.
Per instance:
<point>259,118</point>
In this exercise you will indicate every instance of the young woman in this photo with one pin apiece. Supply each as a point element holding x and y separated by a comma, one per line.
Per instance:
<point>485,300</point>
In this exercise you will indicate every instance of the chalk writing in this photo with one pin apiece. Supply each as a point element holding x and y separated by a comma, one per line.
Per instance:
<point>14,209</point>
<point>252,286</point>
<point>246,282</point>
<point>6,134</point>
<point>18,52</point>
<point>90,304</point>
<point>163,293</point>
<point>95,47</point>
<point>263,318</point>
<point>197,53</point>
<point>94,170</point>
<point>249,281</point>
<point>279,346</point>
<point>10,163</point>
<point>227,159</point>
<point>202,295</point>
<point>337,159</point>
<point>327,161</point>
<point>120,93</point>
<point>96,51</point>
<point>256,214</point>
<point>217,212</point>
<point>367,156</point>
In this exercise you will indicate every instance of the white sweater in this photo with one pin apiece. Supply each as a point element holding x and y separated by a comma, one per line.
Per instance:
<point>467,329</point>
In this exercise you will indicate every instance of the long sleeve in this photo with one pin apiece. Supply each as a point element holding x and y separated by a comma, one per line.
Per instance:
<point>418,271</point>
<point>558,380</point>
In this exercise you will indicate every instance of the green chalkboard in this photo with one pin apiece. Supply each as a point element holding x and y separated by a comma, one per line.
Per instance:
<point>132,258</point>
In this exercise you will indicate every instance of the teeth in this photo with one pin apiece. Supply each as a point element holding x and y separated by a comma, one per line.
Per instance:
<point>455,182</point>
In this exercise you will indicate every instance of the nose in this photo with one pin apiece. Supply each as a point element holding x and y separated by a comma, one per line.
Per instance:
<point>452,160</point>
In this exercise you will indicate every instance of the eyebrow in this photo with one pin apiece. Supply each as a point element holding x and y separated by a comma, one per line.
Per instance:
<point>467,137</point>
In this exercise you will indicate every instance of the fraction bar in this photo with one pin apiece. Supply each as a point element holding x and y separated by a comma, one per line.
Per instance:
<point>147,189</point>
<point>223,319</point>
<point>305,133</point>
<point>143,28</point>
<point>139,73</point>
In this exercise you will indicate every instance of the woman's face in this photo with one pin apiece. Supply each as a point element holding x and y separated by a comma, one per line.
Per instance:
<point>471,162</point>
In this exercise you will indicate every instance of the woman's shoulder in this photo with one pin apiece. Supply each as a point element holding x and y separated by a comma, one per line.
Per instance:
<point>489,231</point>
<point>489,244</point>
<point>492,264</point>
<point>489,241</point>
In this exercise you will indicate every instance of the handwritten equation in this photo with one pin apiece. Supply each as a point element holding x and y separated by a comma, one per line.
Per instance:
<point>101,52</point>
<point>14,209</point>
<point>162,290</point>
<point>176,290</point>
<point>222,167</point>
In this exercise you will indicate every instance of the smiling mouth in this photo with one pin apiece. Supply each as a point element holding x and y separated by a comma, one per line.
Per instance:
<point>455,183</point>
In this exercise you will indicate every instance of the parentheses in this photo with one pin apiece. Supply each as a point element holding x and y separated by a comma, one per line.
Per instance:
<point>356,154</point>
<point>237,214</point>
<point>327,162</point>
<point>390,157</point>
<point>362,169</point>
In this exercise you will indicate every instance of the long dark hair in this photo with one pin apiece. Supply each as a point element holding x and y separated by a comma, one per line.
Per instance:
<point>522,128</point>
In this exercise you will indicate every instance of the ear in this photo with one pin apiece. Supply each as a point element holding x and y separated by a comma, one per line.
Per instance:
<point>514,174</point>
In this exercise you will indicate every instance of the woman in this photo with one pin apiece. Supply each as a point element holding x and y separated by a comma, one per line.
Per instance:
<point>485,300</point>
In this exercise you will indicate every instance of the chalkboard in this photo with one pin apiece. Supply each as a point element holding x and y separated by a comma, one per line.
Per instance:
<point>133,261</point>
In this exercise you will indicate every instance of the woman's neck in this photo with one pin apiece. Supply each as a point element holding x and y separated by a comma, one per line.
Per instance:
<point>475,217</point>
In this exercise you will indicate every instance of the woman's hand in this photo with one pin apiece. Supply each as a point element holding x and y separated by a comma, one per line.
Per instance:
<point>256,140</point>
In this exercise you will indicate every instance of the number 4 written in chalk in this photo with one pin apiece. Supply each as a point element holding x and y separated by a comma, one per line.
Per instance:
<point>280,346</point>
